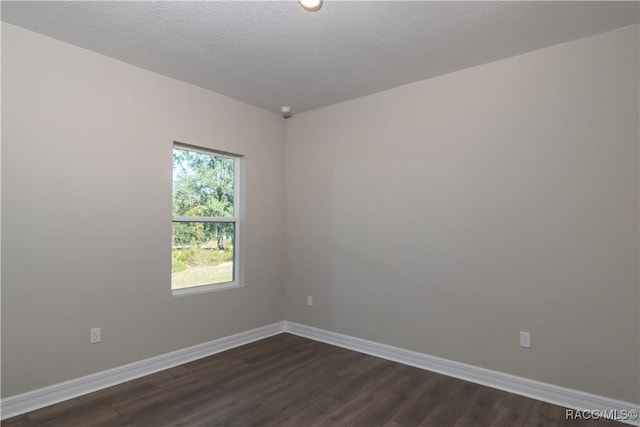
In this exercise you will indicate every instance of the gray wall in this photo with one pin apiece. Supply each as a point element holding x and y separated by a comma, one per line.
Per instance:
<point>443,217</point>
<point>448,215</point>
<point>86,212</point>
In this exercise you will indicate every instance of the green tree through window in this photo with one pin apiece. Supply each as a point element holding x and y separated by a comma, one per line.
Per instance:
<point>204,218</point>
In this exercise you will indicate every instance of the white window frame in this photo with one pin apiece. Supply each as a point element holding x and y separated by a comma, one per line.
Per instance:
<point>237,278</point>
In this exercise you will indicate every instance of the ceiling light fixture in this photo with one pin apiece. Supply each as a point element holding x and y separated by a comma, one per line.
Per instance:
<point>311,5</point>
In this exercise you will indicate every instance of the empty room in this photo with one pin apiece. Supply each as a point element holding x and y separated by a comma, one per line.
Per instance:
<point>320,213</point>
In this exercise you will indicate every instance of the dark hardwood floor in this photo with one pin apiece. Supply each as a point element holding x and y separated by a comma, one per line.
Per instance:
<point>286,380</point>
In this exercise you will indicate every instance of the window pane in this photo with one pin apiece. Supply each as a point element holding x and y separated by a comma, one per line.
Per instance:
<point>202,253</point>
<point>202,184</point>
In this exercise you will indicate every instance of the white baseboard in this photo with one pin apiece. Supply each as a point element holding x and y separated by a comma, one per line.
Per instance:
<point>569,398</point>
<point>574,399</point>
<point>39,398</point>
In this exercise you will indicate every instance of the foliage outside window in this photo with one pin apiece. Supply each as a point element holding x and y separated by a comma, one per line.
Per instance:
<point>205,220</point>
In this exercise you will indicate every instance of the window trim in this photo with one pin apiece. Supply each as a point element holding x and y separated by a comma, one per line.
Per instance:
<point>238,281</point>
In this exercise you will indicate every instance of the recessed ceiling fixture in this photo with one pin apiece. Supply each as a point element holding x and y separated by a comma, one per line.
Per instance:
<point>311,5</point>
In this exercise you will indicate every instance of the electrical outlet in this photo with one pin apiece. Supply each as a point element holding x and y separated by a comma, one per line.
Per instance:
<point>525,339</point>
<point>94,335</point>
<point>310,300</point>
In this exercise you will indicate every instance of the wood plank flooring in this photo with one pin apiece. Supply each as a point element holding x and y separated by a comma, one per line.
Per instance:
<point>286,380</point>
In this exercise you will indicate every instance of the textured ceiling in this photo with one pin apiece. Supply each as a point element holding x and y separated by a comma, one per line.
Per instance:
<point>274,53</point>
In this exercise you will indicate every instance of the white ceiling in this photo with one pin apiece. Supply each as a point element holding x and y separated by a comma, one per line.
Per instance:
<point>273,53</point>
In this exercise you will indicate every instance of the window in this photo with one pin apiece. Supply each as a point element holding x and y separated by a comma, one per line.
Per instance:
<point>204,242</point>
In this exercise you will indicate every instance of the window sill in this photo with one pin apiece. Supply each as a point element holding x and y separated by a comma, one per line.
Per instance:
<point>194,290</point>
